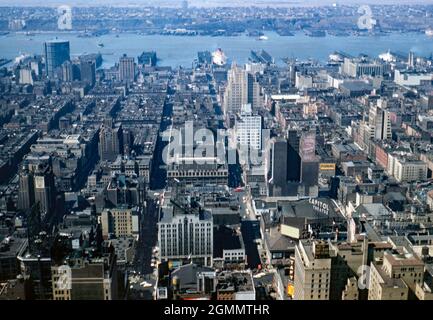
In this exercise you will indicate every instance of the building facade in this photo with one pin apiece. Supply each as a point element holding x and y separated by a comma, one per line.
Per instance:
<point>56,53</point>
<point>186,237</point>
<point>312,271</point>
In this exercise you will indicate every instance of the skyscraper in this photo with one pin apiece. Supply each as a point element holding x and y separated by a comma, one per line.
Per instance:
<point>110,142</point>
<point>411,60</point>
<point>45,191</point>
<point>249,129</point>
<point>235,93</point>
<point>26,193</point>
<point>293,159</point>
<point>126,69</point>
<point>56,53</point>
<point>88,71</point>
<point>279,166</point>
<point>379,123</point>
<point>253,92</point>
<point>309,163</point>
<point>67,72</point>
<point>26,76</point>
<point>312,271</point>
<point>37,185</point>
<point>36,67</point>
<point>242,88</point>
<point>295,167</point>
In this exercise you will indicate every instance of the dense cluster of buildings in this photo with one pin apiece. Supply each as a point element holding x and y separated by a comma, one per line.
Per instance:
<point>309,181</point>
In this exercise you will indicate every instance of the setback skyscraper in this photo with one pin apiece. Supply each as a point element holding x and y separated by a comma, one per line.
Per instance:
<point>110,141</point>
<point>242,88</point>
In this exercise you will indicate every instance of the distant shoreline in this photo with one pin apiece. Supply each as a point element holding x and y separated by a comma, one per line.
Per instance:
<point>143,33</point>
<point>212,3</point>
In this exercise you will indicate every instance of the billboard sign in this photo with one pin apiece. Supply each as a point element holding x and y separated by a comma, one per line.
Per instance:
<point>307,148</point>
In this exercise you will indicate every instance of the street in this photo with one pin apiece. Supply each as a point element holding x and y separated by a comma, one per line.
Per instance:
<point>250,228</point>
<point>147,240</point>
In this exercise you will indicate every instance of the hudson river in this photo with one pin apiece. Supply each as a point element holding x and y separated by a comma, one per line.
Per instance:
<point>182,50</point>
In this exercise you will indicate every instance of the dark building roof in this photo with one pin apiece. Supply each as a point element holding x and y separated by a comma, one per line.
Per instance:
<point>226,239</point>
<point>187,275</point>
<point>318,208</point>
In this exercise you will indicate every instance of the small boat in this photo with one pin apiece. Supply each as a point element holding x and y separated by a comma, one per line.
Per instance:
<point>263,38</point>
<point>429,32</point>
<point>100,45</point>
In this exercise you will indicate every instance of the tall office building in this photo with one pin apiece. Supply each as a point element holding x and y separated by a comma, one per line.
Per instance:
<point>242,88</point>
<point>249,128</point>
<point>235,93</point>
<point>253,91</point>
<point>26,193</point>
<point>26,76</point>
<point>45,190</point>
<point>411,60</point>
<point>88,71</point>
<point>379,123</point>
<point>309,177</point>
<point>186,234</point>
<point>312,270</point>
<point>110,141</point>
<point>279,166</point>
<point>126,69</point>
<point>293,158</point>
<point>36,67</point>
<point>67,71</point>
<point>295,167</point>
<point>37,185</point>
<point>56,53</point>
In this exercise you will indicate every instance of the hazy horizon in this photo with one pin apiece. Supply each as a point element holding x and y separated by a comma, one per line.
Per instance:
<point>208,3</point>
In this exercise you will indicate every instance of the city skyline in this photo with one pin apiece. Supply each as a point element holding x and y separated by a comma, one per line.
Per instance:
<point>218,154</point>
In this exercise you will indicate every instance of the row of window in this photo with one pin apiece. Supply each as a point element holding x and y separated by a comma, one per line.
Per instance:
<point>175,226</point>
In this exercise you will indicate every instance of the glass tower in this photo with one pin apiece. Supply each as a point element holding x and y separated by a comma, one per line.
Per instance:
<point>56,53</point>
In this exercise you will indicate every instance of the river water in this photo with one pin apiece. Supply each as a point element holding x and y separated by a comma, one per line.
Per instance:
<point>182,50</point>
